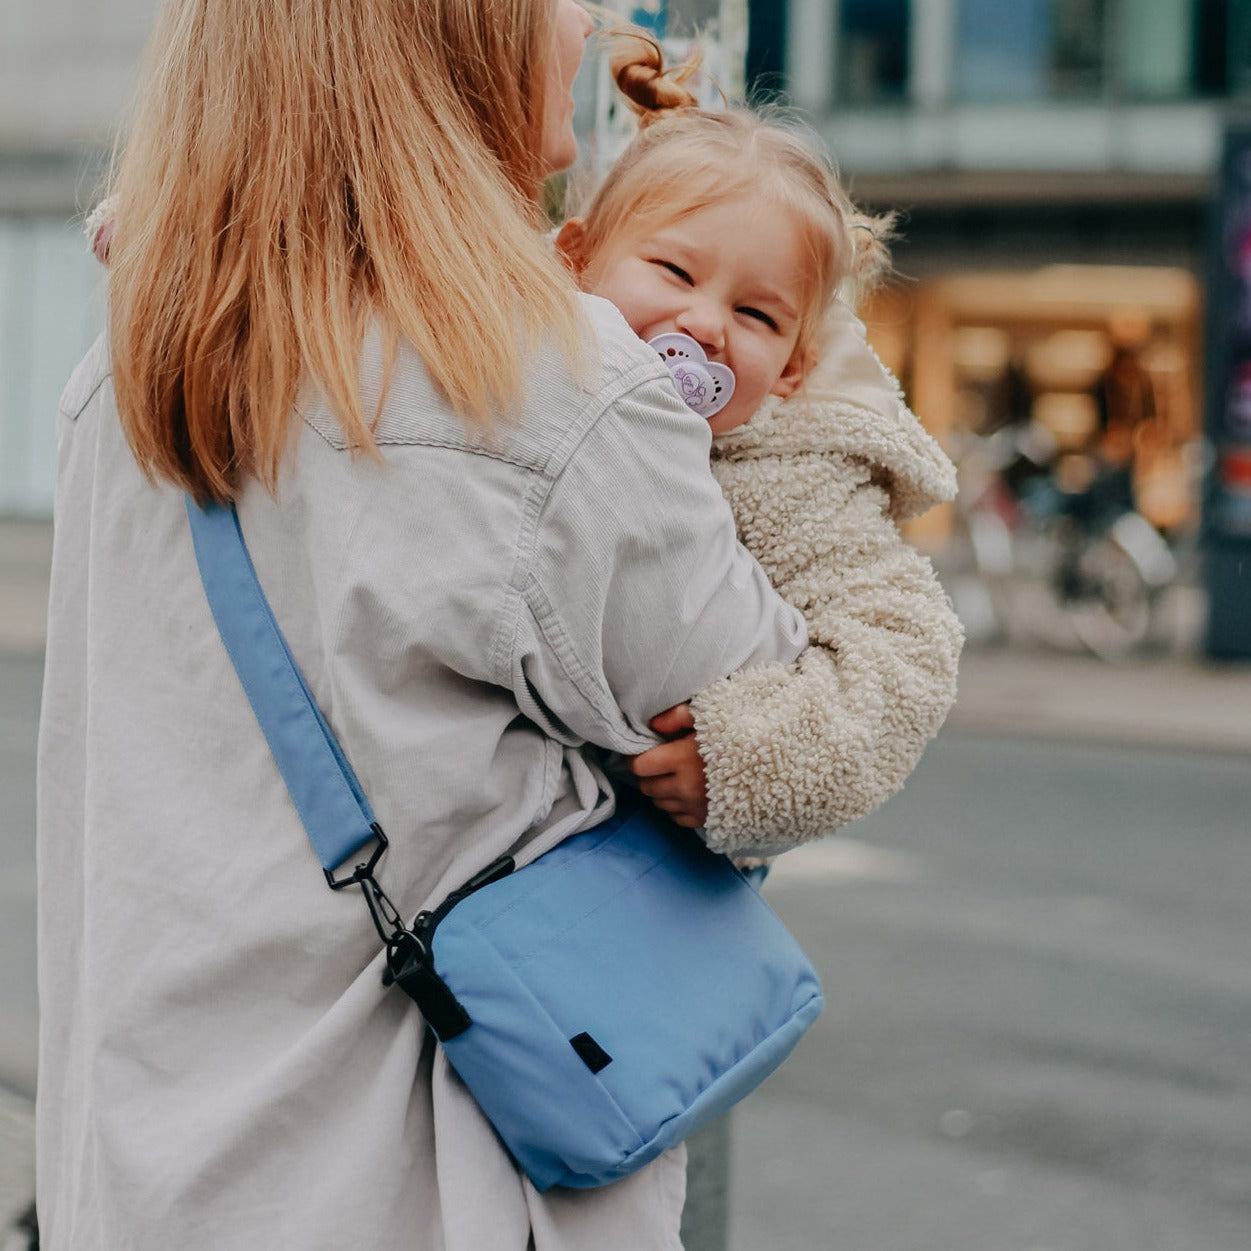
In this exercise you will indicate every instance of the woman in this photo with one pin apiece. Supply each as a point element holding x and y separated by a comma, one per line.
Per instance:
<point>486,525</point>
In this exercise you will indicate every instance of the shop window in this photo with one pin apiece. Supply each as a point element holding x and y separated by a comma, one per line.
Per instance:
<point>1157,44</point>
<point>1030,49</point>
<point>1214,28</point>
<point>1099,363</point>
<point>1169,49</point>
<point>1068,397</point>
<point>873,51</point>
<point>1238,45</point>
<point>766,50</point>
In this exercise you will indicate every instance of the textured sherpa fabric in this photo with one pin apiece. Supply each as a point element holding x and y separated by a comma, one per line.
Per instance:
<point>818,485</point>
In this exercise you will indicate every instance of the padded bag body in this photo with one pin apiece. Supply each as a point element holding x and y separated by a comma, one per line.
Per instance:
<point>625,989</point>
<point>600,1003</point>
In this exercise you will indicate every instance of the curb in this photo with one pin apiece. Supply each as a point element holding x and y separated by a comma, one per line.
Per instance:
<point>1171,702</point>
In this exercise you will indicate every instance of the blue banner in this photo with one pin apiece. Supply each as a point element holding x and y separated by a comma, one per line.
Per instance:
<point>652,15</point>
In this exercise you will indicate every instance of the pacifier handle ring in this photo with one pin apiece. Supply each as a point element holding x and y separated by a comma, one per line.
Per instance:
<point>705,386</point>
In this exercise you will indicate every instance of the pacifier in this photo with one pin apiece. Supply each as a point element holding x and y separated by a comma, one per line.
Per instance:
<point>704,385</point>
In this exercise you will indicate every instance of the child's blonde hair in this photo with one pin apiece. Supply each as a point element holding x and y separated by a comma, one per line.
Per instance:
<point>686,158</point>
<point>297,172</point>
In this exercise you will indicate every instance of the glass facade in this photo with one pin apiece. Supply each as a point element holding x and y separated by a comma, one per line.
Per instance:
<point>1238,59</point>
<point>1137,51</point>
<point>1157,46</point>
<point>1029,50</point>
<point>1174,49</point>
<point>766,50</point>
<point>873,59</point>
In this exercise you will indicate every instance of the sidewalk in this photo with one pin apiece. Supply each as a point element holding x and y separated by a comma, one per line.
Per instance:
<point>1162,701</point>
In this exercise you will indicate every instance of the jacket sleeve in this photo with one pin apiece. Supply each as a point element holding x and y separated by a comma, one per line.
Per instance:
<point>639,592</point>
<point>794,751</point>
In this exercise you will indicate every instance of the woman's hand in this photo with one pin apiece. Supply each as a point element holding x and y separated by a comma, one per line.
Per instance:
<point>672,775</point>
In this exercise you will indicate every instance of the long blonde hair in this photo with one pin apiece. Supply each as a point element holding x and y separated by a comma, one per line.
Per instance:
<point>298,170</point>
<point>686,157</point>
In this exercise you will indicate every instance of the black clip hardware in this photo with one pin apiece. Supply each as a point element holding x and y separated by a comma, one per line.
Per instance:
<point>363,870</point>
<point>384,914</point>
<point>409,961</point>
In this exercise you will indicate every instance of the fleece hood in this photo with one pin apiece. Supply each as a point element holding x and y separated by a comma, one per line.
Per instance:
<point>851,406</point>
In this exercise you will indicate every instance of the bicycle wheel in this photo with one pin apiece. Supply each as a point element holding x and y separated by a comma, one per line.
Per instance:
<point>1107,600</point>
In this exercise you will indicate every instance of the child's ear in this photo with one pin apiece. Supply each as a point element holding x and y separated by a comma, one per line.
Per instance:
<point>571,244</point>
<point>802,362</point>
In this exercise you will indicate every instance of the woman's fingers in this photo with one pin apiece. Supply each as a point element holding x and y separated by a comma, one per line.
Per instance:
<point>667,758</point>
<point>690,820</point>
<point>673,721</point>
<point>687,805</point>
<point>672,777</point>
<point>688,813</point>
<point>672,787</point>
<point>671,806</point>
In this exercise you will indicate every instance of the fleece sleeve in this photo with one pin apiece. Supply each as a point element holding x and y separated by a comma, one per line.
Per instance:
<point>794,751</point>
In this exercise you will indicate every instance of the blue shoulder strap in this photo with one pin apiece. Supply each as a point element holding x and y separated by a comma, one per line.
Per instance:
<point>323,787</point>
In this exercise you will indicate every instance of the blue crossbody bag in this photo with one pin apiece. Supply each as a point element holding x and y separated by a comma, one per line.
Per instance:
<point>600,1003</point>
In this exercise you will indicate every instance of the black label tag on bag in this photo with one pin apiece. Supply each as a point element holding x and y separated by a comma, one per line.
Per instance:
<point>591,1053</point>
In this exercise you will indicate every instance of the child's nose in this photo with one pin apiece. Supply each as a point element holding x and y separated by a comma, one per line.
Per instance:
<point>702,320</point>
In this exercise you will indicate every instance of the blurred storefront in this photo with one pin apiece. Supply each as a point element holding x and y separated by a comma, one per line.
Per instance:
<point>1102,360</point>
<point>1055,164</point>
<point>1053,160</point>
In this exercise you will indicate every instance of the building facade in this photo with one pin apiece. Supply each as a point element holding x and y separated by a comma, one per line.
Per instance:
<point>67,68</point>
<point>67,71</point>
<point>1054,165</point>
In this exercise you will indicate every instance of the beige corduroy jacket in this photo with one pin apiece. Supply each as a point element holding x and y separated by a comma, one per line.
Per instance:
<point>818,485</point>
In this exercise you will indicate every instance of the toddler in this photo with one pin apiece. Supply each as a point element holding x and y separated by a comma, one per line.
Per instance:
<point>724,241</point>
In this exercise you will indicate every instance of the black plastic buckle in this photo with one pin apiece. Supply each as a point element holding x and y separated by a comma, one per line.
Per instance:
<point>364,870</point>
<point>410,966</point>
<point>409,963</point>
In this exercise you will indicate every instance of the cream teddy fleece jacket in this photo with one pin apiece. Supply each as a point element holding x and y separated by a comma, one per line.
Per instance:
<point>818,485</point>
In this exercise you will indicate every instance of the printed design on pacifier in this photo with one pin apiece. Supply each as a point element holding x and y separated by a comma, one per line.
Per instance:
<point>703,384</point>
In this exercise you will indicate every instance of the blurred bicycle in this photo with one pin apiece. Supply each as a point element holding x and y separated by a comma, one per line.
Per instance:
<point>1051,547</point>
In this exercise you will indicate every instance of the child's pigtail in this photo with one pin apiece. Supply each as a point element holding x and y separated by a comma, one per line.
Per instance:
<point>870,238</point>
<point>99,227</point>
<point>651,89</point>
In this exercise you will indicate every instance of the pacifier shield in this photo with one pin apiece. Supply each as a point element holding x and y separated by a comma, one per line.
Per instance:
<point>705,386</point>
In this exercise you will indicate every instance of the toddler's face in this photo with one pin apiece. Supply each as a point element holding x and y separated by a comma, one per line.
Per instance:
<point>729,275</point>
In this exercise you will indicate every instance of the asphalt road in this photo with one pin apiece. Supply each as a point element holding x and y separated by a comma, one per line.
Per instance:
<point>1038,1032</point>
